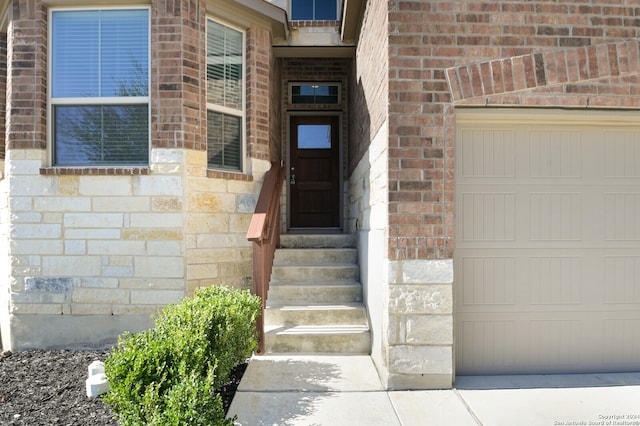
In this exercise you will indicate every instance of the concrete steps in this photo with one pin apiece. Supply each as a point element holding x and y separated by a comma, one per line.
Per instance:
<point>315,298</point>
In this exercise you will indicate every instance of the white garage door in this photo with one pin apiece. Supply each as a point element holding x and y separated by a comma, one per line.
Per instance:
<point>547,259</point>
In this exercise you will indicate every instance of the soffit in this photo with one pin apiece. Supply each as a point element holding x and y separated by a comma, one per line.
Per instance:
<point>245,12</point>
<point>351,19</point>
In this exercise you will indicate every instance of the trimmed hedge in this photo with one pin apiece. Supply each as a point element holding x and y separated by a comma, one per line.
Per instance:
<point>168,375</point>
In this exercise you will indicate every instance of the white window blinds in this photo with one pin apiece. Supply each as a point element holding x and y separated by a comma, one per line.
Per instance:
<point>225,94</point>
<point>100,86</point>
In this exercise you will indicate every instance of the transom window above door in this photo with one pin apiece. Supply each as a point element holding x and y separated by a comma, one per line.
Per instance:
<point>314,10</point>
<point>314,93</point>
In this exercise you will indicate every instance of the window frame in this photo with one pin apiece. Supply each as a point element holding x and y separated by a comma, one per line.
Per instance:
<point>94,101</point>
<point>242,114</point>
<point>337,85</point>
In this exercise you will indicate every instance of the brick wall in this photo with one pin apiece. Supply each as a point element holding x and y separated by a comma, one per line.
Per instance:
<point>276,137</point>
<point>26,83</point>
<point>258,92</point>
<point>481,42</point>
<point>369,85</point>
<point>178,74</point>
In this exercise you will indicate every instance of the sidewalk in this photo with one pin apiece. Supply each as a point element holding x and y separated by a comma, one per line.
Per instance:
<point>346,390</point>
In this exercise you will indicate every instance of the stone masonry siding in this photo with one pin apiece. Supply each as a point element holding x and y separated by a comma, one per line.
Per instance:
<point>3,97</point>
<point>368,163</point>
<point>429,37</point>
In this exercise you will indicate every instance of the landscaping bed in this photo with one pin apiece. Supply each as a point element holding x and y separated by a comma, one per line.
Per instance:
<point>48,388</point>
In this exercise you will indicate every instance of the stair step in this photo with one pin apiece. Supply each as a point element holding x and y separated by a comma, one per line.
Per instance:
<point>315,256</point>
<point>317,241</point>
<point>335,314</point>
<point>316,292</point>
<point>352,339</point>
<point>314,273</point>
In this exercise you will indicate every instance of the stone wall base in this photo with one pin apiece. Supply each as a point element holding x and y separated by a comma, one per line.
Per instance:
<point>419,381</point>
<point>69,332</point>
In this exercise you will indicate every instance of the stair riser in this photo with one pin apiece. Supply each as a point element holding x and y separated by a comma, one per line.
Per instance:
<point>287,317</point>
<point>341,343</point>
<point>317,241</point>
<point>314,273</point>
<point>290,294</point>
<point>316,257</point>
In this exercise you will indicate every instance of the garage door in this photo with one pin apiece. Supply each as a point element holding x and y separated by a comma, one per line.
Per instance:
<point>547,259</point>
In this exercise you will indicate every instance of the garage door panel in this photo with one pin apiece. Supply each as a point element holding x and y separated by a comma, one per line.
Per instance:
<point>555,216</point>
<point>488,280</point>
<point>622,216</point>
<point>622,284</point>
<point>555,153</point>
<point>547,260</point>
<point>488,216</point>
<point>487,153</point>
<point>621,154</point>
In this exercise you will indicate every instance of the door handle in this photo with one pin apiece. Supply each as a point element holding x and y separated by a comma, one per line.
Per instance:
<point>292,180</point>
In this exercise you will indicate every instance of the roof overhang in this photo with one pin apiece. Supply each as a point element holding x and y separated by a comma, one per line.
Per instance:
<point>4,15</point>
<point>259,11</point>
<point>314,51</point>
<point>352,11</point>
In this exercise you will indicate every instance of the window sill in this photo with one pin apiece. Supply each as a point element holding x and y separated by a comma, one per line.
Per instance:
<point>96,171</point>
<point>218,174</point>
<point>310,23</point>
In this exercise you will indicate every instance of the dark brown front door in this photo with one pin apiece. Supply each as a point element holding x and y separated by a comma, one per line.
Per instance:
<point>314,180</point>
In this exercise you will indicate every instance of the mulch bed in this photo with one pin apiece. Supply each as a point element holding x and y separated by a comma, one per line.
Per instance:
<point>48,388</point>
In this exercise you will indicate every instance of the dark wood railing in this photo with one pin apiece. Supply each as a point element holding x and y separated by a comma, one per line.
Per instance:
<point>264,232</point>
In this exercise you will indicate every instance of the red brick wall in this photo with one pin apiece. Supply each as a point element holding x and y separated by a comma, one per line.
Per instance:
<point>276,138</point>
<point>178,74</point>
<point>369,82</point>
<point>178,77</point>
<point>27,81</point>
<point>494,53</point>
<point>258,92</point>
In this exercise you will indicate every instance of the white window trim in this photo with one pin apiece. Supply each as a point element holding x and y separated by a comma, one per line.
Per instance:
<point>51,101</point>
<point>244,166</point>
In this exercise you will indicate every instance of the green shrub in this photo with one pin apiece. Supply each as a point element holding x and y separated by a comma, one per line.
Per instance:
<point>168,375</point>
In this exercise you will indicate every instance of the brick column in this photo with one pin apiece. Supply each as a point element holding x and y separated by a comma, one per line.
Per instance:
<point>178,74</point>
<point>26,97</point>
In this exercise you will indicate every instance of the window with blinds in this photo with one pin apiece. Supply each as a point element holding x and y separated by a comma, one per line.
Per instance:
<point>100,87</point>
<point>225,96</point>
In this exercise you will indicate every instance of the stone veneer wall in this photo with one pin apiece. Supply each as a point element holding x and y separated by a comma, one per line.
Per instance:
<point>3,97</point>
<point>368,173</point>
<point>92,252</point>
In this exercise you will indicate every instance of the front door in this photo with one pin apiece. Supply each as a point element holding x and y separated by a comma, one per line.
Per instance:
<point>314,172</point>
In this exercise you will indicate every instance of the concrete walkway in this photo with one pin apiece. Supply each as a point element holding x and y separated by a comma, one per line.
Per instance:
<point>346,390</point>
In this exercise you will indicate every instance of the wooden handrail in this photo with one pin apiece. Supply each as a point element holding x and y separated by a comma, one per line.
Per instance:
<point>264,232</point>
